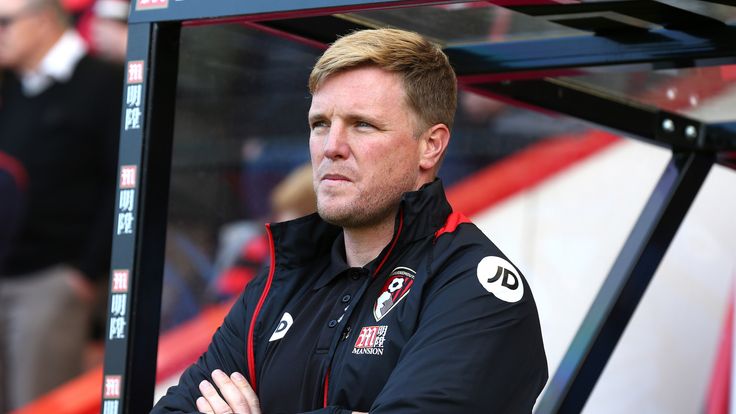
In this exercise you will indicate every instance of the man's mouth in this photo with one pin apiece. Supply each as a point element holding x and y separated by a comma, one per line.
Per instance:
<point>335,177</point>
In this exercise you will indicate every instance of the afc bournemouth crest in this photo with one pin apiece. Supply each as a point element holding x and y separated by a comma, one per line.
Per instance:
<point>396,287</point>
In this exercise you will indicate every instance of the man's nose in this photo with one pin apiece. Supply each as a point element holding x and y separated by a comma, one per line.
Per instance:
<point>337,145</point>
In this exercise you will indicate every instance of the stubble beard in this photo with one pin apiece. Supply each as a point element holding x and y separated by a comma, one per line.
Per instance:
<point>368,210</point>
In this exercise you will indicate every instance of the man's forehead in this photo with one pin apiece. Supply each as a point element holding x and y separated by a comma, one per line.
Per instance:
<point>361,73</point>
<point>358,89</point>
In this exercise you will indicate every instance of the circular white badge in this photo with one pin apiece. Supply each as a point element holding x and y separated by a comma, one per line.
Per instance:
<point>501,278</point>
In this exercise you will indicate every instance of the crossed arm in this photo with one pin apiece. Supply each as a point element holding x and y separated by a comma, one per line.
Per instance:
<point>237,395</point>
<point>501,368</point>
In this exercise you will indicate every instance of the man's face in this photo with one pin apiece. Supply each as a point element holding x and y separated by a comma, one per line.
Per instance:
<point>19,32</point>
<point>363,147</point>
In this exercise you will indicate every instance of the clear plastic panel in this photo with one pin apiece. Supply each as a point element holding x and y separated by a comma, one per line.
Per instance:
<point>723,12</point>
<point>464,23</point>
<point>703,93</point>
<point>241,128</point>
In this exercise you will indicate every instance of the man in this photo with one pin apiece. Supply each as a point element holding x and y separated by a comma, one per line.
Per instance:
<point>385,301</point>
<point>59,117</point>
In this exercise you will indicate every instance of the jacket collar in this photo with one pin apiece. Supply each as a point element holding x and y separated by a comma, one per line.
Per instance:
<point>425,211</point>
<point>310,239</point>
<point>57,66</point>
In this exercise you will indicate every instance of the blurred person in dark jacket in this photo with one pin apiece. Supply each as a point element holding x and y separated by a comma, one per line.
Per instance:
<point>59,117</point>
<point>13,182</point>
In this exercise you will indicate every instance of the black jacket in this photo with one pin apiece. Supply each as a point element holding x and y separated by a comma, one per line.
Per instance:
<point>444,323</point>
<point>66,138</point>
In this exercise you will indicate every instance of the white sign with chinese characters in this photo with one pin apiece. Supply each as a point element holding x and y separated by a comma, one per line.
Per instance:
<point>120,280</point>
<point>118,308</point>
<point>117,327</point>
<point>113,384</point>
<point>111,394</point>
<point>126,199</point>
<point>110,407</point>
<point>151,4</point>
<point>133,95</point>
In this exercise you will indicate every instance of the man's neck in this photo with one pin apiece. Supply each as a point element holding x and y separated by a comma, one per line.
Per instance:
<point>364,244</point>
<point>33,62</point>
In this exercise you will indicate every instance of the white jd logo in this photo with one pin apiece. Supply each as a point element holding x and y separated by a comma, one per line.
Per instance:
<point>501,278</point>
<point>283,326</point>
<point>507,275</point>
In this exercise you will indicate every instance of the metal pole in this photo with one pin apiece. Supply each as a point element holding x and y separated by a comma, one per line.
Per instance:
<point>139,237</point>
<point>624,287</point>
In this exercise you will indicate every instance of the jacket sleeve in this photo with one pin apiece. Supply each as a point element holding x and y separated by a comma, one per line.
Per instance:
<point>333,409</point>
<point>226,352</point>
<point>472,352</point>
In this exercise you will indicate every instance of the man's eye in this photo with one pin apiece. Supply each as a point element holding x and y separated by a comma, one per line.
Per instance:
<point>362,124</point>
<point>318,124</point>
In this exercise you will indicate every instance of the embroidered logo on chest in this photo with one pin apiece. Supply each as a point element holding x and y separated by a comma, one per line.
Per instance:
<point>283,326</point>
<point>370,340</point>
<point>397,286</point>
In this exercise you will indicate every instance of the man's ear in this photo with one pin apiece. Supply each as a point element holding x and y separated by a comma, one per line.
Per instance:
<point>432,146</point>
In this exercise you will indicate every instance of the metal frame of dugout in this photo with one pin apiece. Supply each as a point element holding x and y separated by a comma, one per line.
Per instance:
<point>611,37</point>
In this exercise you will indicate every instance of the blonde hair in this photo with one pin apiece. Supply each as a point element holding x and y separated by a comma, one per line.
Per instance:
<point>58,10</point>
<point>428,78</point>
<point>295,193</point>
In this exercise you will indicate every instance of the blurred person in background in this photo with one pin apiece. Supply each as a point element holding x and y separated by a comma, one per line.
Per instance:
<point>59,117</point>
<point>13,182</point>
<point>109,29</point>
<point>292,198</point>
<point>102,24</point>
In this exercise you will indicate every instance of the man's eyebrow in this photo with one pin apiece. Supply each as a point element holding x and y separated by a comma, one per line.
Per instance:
<point>350,117</point>
<point>314,116</point>
<point>372,119</point>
